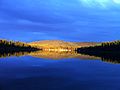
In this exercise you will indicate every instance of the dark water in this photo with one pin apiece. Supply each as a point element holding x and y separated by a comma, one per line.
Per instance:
<point>68,73</point>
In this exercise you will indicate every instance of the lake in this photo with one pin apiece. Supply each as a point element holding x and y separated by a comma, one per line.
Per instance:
<point>58,71</point>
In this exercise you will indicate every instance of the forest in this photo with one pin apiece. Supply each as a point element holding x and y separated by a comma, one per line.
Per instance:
<point>103,47</point>
<point>11,46</point>
<point>109,51</point>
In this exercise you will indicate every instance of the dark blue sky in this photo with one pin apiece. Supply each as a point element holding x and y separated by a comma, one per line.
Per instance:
<point>69,20</point>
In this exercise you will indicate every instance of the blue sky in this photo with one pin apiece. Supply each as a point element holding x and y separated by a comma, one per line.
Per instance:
<point>69,20</point>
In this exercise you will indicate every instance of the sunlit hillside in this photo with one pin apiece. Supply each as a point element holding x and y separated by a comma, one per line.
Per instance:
<point>57,44</point>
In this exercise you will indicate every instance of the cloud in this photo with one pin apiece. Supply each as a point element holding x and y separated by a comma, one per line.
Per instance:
<point>101,4</point>
<point>59,19</point>
<point>116,1</point>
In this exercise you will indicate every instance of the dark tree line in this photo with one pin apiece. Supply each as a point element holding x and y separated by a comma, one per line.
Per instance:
<point>103,47</point>
<point>108,51</point>
<point>11,46</point>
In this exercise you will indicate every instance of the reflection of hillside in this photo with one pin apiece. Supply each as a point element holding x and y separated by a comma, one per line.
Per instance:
<point>49,55</point>
<point>52,55</point>
<point>59,55</point>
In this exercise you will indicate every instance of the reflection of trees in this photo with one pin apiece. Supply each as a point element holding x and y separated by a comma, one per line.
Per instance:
<point>112,57</point>
<point>58,55</point>
<point>3,55</point>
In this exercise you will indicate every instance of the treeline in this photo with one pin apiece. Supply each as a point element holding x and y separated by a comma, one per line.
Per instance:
<point>11,46</point>
<point>103,47</point>
<point>108,51</point>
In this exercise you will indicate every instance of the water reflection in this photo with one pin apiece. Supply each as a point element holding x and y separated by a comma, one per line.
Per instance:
<point>113,57</point>
<point>59,55</point>
<point>4,55</point>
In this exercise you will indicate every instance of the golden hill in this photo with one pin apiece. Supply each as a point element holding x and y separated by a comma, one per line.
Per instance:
<point>59,44</point>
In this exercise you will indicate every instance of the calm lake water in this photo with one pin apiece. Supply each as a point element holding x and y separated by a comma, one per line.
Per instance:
<point>68,73</point>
